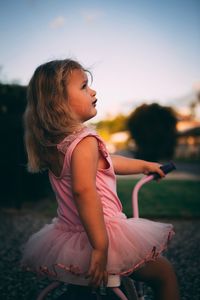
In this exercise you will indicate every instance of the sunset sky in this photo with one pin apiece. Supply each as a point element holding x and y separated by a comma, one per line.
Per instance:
<point>137,50</point>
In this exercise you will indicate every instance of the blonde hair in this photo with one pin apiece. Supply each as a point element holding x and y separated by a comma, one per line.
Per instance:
<point>47,117</point>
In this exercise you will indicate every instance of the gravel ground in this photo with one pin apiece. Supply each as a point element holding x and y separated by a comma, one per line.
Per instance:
<point>16,284</point>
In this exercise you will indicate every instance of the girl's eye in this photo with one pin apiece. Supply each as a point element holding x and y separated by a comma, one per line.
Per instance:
<point>84,86</point>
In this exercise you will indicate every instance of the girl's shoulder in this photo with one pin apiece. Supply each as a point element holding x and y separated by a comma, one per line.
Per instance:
<point>68,144</point>
<point>73,139</point>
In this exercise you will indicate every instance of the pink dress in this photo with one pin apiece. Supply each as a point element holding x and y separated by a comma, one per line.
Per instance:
<point>62,247</point>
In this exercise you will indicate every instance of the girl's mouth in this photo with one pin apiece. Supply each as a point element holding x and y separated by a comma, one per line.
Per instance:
<point>94,102</point>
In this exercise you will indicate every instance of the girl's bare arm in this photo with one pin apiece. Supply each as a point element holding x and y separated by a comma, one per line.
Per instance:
<point>84,167</point>
<point>125,166</point>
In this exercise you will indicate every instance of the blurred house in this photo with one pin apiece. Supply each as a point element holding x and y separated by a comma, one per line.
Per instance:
<point>118,141</point>
<point>188,141</point>
<point>121,143</point>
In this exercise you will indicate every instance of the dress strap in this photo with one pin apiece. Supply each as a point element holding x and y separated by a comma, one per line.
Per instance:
<point>67,141</point>
<point>102,147</point>
<point>85,131</point>
<point>67,145</point>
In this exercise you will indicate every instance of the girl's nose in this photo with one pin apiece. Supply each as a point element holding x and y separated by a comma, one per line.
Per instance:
<point>93,93</point>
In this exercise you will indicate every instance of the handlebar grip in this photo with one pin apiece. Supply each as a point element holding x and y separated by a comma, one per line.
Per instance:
<point>166,169</point>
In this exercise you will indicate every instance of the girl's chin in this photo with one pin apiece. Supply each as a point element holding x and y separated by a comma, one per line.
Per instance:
<point>90,117</point>
<point>94,112</point>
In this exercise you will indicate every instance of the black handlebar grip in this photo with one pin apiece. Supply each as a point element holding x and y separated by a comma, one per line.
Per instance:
<point>166,169</point>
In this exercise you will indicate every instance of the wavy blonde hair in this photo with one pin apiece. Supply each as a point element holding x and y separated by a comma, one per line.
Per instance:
<point>47,117</point>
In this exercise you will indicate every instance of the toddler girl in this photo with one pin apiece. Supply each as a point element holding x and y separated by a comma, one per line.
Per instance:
<point>91,237</point>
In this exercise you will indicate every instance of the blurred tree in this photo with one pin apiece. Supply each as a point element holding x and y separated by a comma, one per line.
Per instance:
<point>12,99</point>
<point>153,127</point>
<point>113,125</point>
<point>17,185</point>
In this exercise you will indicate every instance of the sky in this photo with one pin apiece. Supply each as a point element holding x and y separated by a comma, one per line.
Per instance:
<point>137,50</point>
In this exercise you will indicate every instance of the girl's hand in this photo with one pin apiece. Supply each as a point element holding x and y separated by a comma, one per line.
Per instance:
<point>97,270</point>
<point>151,167</point>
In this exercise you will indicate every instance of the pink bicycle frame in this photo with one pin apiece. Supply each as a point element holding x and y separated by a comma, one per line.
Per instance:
<point>135,194</point>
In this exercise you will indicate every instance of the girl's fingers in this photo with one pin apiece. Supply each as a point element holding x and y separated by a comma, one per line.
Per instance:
<point>161,173</point>
<point>102,279</point>
<point>105,278</point>
<point>94,277</point>
<point>159,170</point>
<point>98,278</point>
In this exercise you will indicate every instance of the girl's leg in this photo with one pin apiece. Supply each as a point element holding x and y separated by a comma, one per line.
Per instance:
<point>160,275</point>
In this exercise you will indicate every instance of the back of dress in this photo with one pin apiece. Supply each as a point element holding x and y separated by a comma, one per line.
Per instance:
<point>105,181</point>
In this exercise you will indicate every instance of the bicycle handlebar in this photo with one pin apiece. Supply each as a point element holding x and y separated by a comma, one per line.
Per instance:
<point>165,168</point>
<point>152,176</point>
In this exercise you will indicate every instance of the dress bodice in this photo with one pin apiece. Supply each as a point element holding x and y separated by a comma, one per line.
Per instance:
<point>105,180</point>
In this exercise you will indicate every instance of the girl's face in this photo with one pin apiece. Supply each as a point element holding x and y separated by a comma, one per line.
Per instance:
<point>81,97</point>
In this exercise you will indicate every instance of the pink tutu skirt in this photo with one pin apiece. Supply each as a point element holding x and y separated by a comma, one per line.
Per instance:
<point>63,252</point>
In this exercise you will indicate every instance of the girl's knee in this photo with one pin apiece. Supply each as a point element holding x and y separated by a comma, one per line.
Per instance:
<point>160,276</point>
<point>165,270</point>
<point>166,264</point>
<point>160,270</point>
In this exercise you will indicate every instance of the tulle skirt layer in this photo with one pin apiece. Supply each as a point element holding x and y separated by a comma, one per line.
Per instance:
<point>63,252</point>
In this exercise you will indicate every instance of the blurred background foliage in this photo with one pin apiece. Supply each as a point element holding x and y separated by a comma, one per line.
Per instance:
<point>153,127</point>
<point>17,185</point>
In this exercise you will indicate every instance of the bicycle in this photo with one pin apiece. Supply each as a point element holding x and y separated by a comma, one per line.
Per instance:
<point>128,289</point>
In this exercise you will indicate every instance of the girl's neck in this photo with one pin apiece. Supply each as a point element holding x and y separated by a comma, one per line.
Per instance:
<point>77,128</point>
